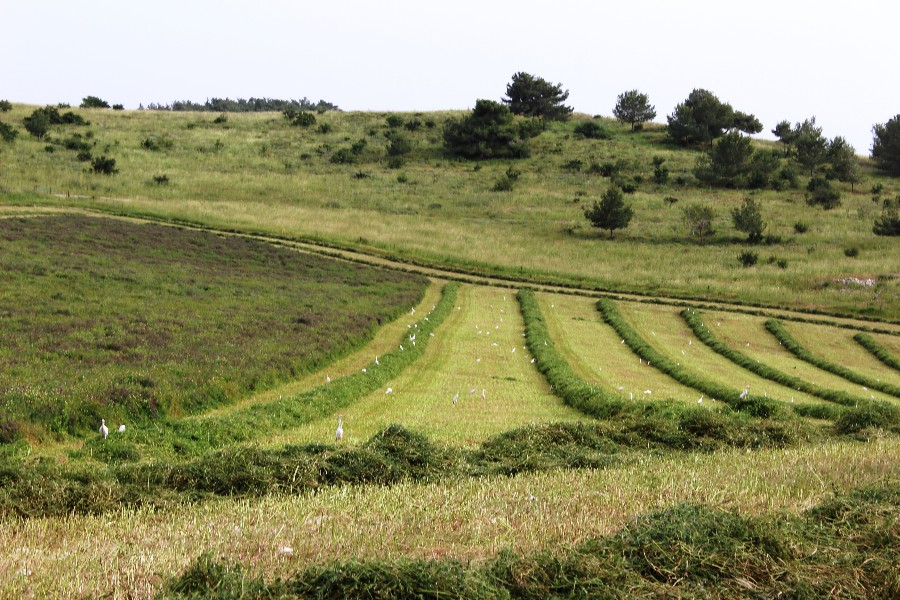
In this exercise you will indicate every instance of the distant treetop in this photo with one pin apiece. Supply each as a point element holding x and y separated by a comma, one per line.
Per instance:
<point>221,105</point>
<point>533,96</point>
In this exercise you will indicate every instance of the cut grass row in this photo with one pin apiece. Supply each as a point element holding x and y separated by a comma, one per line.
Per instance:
<point>877,350</point>
<point>474,381</point>
<point>788,341</point>
<point>685,550</point>
<point>469,520</point>
<point>754,405</point>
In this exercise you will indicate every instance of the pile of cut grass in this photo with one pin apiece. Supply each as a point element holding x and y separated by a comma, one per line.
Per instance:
<point>849,542</point>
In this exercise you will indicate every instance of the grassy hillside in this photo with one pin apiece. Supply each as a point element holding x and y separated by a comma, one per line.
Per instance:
<point>497,441</point>
<point>256,172</point>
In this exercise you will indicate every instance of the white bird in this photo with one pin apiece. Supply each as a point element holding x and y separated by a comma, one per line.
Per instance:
<point>389,390</point>
<point>745,393</point>
<point>648,391</point>
<point>482,394</point>
<point>122,428</point>
<point>339,434</point>
<point>401,346</point>
<point>328,379</point>
<point>104,430</point>
<point>700,401</point>
<point>456,397</point>
<point>532,361</point>
<point>622,342</point>
<point>412,337</point>
<point>412,310</point>
<point>621,388</point>
<point>631,395</point>
<point>376,361</point>
<point>364,370</point>
<point>472,391</point>
<point>514,349</point>
<point>477,360</point>
<point>690,342</point>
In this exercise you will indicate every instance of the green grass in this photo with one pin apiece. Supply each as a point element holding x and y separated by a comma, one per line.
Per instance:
<point>258,173</point>
<point>597,355</point>
<point>749,335</point>
<point>478,349</point>
<point>471,520</point>
<point>105,318</point>
<point>790,342</point>
<point>662,326</point>
<point>877,350</point>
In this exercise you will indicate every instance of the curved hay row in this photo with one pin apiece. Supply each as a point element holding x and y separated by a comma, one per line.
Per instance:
<point>877,350</point>
<point>790,342</point>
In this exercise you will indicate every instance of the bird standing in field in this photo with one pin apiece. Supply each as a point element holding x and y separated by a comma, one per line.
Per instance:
<point>745,393</point>
<point>339,434</point>
<point>122,428</point>
<point>104,430</point>
<point>456,397</point>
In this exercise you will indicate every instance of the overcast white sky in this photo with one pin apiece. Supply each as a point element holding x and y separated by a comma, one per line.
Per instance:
<point>783,59</point>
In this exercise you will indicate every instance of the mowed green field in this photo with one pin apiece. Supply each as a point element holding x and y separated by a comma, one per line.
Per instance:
<point>476,380</point>
<point>230,360</point>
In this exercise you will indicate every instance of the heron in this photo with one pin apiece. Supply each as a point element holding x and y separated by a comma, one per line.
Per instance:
<point>700,401</point>
<point>104,430</point>
<point>339,434</point>
<point>122,428</point>
<point>456,397</point>
<point>376,360</point>
<point>482,394</point>
<point>745,393</point>
<point>648,391</point>
<point>328,379</point>
<point>389,390</point>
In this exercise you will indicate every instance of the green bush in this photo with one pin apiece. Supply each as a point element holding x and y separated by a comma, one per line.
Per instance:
<point>104,165</point>
<point>748,258</point>
<point>592,130</point>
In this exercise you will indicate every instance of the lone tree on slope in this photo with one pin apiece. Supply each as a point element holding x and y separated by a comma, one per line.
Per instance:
<point>634,107</point>
<point>533,96</point>
<point>611,212</point>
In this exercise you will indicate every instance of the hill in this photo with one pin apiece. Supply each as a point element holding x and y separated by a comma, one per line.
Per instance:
<point>336,181</point>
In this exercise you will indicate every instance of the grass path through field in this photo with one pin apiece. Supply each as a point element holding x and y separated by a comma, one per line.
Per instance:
<point>478,350</point>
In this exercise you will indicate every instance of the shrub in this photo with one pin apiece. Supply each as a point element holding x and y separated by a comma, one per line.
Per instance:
<point>84,156</point>
<point>820,193</point>
<point>871,416</point>
<point>413,124</point>
<point>5,106</point>
<point>395,162</point>
<point>801,227</point>
<point>344,156</point>
<point>325,128</point>
<point>94,102</point>
<point>660,173</point>
<point>851,252</point>
<point>104,165</point>
<point>782,263</point>
<point>358,147</point>
<point>573,165</point>
<point>118,107</point>
<point>394,121</point>
<point>7,132</point>
<point>592,130</point>
<point>399,145</point>
<point>670,200</point>
<point>748,258</point>
<point>490,131</point>
<point>299,118</point>
<point>220,119</point>
<point>161,179</point>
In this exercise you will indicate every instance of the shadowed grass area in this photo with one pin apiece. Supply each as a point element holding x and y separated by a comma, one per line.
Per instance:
<point>104,318</point>
<point>848,542</point>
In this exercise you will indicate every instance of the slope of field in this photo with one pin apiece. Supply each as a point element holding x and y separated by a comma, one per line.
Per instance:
<point>477,357</point>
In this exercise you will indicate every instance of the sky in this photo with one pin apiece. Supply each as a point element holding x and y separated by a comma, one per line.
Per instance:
<point>779,60</point>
